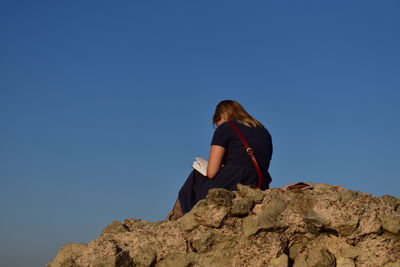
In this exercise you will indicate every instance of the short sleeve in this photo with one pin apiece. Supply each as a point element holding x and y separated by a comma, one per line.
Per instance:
<point>221,135</point>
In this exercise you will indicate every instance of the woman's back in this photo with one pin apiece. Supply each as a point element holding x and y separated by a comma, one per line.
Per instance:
<point>237,165</point>
<point>258,138</point>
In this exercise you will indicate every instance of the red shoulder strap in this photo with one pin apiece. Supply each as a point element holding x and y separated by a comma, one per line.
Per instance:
<point>249,151</point>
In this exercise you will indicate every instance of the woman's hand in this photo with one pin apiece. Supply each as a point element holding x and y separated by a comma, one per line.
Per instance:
<point>215,160</point>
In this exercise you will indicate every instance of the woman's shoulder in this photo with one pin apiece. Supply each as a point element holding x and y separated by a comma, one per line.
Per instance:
<point>257,128</point>
<point>226,126</point>
<point>261,131</point>
<point>222,128</point>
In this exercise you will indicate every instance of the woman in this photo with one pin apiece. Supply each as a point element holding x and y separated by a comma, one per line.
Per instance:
<point>228,164</point>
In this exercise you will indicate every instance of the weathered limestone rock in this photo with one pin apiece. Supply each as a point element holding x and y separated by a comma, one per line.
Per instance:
<point>122,259</point>
<point>281,261</point>
<point>241,207</point>
<point>266,220</point>
<point>259,249</point>
<point>377,250</point>
<point>175,260</point>
<point>322,188</point>
<point>315,258</point>
<point>301,201</point>
<point>202,242</point>
<point>67,255</point>
<point>392,201</point>
<point>296,249</point>
<point>392,264</point>
<point>391,223</point>
<point>326,226</point>
<point>351,252</point>
<point>347,228</point>
<point>313,218</point>
<point>132,224</point>
<point>263,221</point>
<point>249,193</point>
<point>343,262</point>
<point>188,222</point>
<point>145,256</point>
<point>220,197</point>
<point>213,210</point>
<point>114,228</point>
<point>208,214</point>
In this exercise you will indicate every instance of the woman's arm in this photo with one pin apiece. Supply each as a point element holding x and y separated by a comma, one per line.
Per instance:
<point>215,160</point>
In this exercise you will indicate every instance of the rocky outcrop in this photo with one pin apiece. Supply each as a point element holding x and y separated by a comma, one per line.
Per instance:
<point>325,226</point>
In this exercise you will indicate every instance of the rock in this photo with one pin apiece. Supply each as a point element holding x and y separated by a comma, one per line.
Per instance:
<point>392,201</point>
<point>187,222</point>
<point>255,195</point>
<point>295,250</point>
<point>346,228</point>
<point>326,226</point>
<point>122,259</point>
<point>322,188</point>
<point>202,242</point>
<point>343,262</point>
<point>391,223</point>
<point>313,218</point>
<point>208,214</point>
<point>281,261</point>
<point>114,228</point>
<point>351,252</point>
<point>273,205</point>
<point>267,220</point>
<point>252,224</point>
<point>67,254</point>
<point>392,264</point>
<point>300,201</point>
<point>145,257</point>
<point>175,260</point>
<point>315,258</point>
<point>215,258</point>
<point>213,210</point>
<point>220,197</point>
<point>132,224</point>
<point>241,207</point>
<point>370,225</point>
<point>346,196</point>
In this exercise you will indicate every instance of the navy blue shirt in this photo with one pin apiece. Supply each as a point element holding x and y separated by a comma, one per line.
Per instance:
<point>258,138</point>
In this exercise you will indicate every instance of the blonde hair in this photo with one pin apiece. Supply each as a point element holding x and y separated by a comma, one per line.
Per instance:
<point>231,110</point>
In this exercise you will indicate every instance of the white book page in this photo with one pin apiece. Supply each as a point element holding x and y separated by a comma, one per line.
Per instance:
<point>200,164</point>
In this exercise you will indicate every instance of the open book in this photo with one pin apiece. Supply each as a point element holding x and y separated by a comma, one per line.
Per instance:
<point>200,164</point>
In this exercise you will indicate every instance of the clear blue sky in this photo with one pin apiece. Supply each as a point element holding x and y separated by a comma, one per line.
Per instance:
<point>104,104</point>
